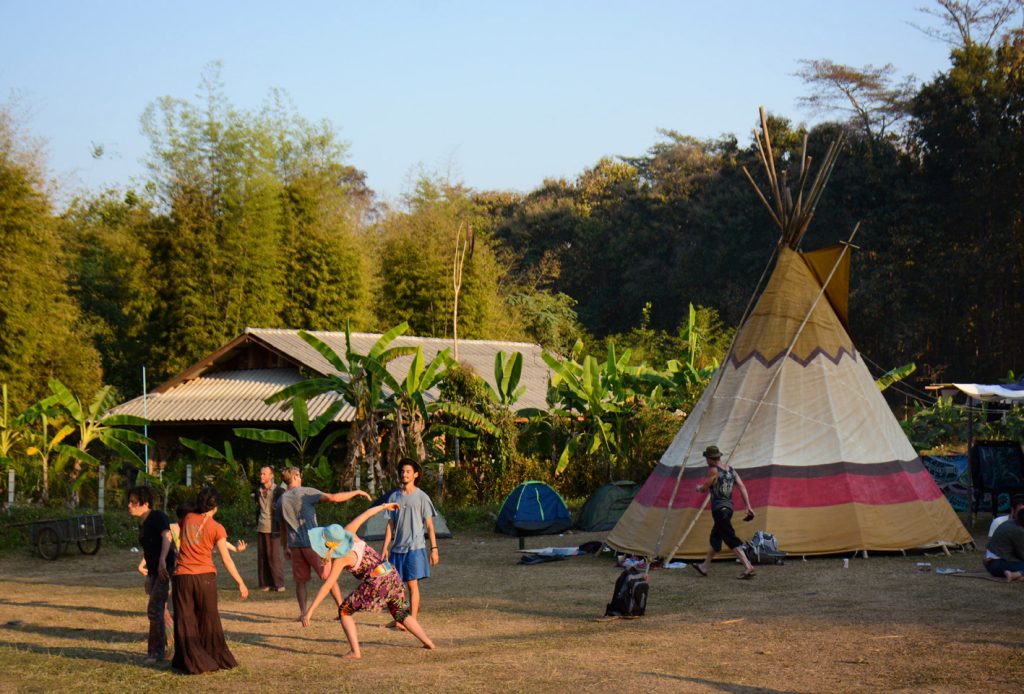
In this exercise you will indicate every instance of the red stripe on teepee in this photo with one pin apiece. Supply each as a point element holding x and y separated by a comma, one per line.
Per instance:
<point>793,492</point>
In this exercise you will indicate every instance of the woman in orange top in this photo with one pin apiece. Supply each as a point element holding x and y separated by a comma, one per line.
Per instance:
<point>199,644</point>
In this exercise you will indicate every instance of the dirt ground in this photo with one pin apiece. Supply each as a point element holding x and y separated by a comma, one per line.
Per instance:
<point>78,624</point>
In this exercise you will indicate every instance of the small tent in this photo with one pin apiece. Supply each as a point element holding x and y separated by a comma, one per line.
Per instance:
<point>605,506</point>
<point>796,411</point>
<point>373,529</point>
<point>533,508</point>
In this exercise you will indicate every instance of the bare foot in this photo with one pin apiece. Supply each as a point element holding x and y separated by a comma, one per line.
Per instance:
<point>353,655</point>
<point>1012,576</point>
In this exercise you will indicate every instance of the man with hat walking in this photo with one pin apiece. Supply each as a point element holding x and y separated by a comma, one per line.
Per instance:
<point>719,482</point>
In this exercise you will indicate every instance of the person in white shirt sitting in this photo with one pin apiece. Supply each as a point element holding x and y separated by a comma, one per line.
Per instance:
<point>1016,504</point>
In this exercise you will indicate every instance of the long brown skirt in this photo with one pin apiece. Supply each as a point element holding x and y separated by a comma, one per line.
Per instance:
<point>199,644</point>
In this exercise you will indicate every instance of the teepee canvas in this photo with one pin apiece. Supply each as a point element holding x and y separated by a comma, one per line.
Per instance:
<point>796,412</point>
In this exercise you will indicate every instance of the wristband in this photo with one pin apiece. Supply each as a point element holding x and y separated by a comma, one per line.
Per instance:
<point>433,548</point>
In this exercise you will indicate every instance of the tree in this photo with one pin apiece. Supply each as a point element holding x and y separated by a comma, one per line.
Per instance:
<point>971,22</point>
<point>325,206</point>
<point>112,273</point>
<point>415,265</point>
<point>870,95</point>
<point>41,334</point>
<point>45,446</point>
<point>220,264</point>
<point>264,223</point>
<point>969,127</point>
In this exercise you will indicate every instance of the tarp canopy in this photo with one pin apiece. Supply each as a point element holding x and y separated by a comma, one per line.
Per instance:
<point>988,393</point>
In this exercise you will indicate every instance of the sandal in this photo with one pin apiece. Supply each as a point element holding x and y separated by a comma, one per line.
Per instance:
<point>747,575</point>
<point>702,572</point>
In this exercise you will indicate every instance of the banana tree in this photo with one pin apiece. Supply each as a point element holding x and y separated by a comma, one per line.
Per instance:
<point>410,412</point>
<point>224,460</point>
<point>12,429</point>
<point>95,426</point>
<point>894,375</point>
<point>306,431</point>
<point>508,369</point>
<point>358,379</point>
<point>589,400</point>
<point>406,407</point>
<point>44,446</point>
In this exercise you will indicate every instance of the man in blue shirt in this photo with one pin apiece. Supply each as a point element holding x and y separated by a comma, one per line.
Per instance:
<point>404,543</point>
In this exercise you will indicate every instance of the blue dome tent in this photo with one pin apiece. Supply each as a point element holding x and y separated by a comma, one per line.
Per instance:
<point>533,508</point>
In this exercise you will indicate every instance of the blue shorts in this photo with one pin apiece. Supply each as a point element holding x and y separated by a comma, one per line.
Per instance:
<point>411,566</point>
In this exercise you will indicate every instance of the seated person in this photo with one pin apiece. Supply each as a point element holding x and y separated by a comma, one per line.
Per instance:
<point>1004,556</point>
<point>1016,504</point>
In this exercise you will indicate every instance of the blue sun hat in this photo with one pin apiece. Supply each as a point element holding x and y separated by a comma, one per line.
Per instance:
<point>331,542</point>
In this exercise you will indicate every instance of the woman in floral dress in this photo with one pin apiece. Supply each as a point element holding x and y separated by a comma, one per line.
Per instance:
<point>380,586</point>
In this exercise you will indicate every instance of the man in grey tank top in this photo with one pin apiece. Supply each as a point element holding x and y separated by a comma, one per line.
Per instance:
<point>720,482</point>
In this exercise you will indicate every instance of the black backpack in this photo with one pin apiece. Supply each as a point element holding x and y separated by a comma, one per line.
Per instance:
<point>630,596</point>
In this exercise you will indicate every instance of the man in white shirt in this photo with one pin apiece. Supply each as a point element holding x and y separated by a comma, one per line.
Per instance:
<point>1016,504</point>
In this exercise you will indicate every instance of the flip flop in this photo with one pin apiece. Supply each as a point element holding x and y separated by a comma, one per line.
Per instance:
<point>747,575</point>
<point>702,572</point>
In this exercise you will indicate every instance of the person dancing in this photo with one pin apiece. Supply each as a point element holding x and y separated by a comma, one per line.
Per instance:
<point>380,586</point>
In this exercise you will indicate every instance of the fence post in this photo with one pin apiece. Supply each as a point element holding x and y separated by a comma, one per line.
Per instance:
<point>10,489</point>
<point>101,493</point>
<point>188,475</point>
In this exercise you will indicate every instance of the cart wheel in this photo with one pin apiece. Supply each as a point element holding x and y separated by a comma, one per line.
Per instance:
<point>89,546</point>
<point>48,543</point>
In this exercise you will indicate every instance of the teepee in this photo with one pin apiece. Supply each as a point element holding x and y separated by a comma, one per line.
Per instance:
<point>794,409</point>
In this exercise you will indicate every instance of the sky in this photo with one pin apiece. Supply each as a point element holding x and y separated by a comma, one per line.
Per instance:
<point>495,95</point>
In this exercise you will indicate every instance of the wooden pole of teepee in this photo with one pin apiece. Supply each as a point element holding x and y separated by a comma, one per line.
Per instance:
<point>689,449</point>
<point>792,216</point>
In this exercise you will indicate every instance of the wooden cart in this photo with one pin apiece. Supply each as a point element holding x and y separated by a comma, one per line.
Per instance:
<point>51,537</point>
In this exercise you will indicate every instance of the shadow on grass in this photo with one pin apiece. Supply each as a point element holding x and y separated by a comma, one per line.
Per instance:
<point>100,635</point>
<point>119,637</point>
<point>81,652</point>
<point>75,608</point>
<point>721,686</point>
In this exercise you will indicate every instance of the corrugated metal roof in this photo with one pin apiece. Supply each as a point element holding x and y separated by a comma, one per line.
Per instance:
<point>227,396</point>
<point>203,394</point>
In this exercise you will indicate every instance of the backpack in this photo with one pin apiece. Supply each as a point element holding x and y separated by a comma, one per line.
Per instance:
<point>763,548</point>
<point>629,599</point>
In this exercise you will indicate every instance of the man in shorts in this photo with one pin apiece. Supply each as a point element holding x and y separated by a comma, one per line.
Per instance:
<point>404,544</point>
<point>297,511</point>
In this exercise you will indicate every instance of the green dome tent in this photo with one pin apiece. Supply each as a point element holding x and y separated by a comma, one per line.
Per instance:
<point>605,506</point>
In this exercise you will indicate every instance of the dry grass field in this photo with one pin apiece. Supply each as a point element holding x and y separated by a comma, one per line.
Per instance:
<point>77,625</point>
